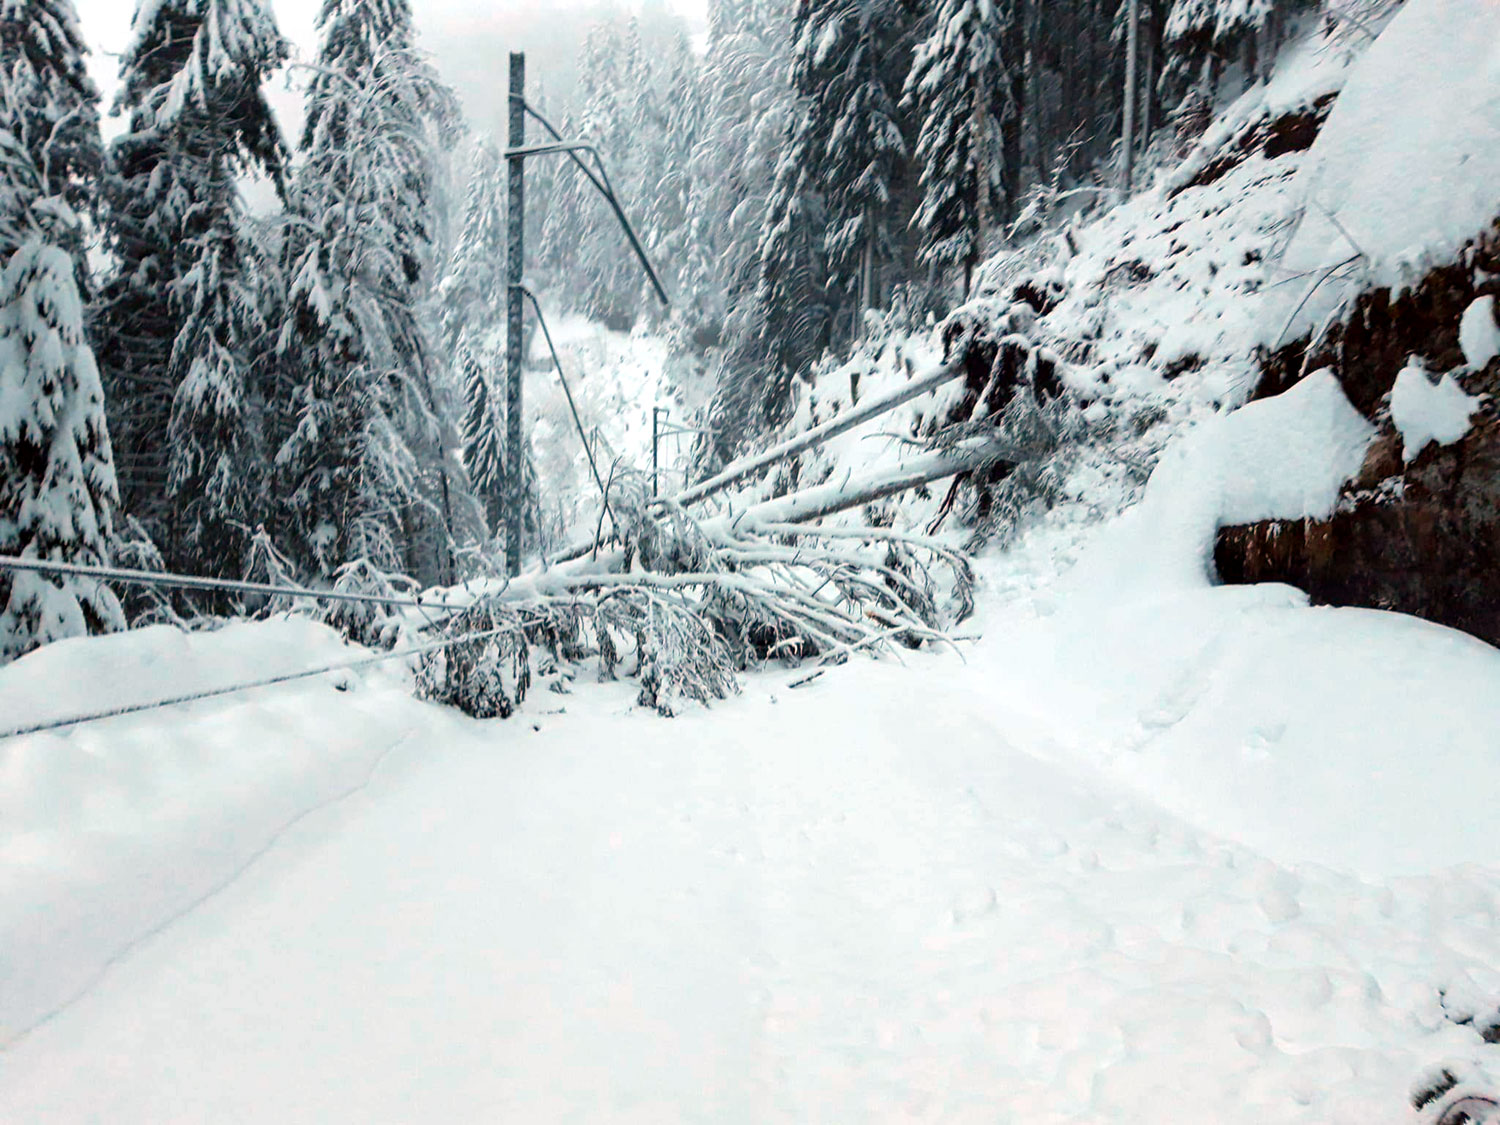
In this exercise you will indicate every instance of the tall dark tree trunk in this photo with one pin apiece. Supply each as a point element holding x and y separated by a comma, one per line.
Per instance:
<point>1012,126</point>
<point>1041,137</point>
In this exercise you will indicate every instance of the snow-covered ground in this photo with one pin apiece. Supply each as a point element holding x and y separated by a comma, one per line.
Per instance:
<point>1204,854</point>
<point>1406,171</point>
<point>1144,850</point>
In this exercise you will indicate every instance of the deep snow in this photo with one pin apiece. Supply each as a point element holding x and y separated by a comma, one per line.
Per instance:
<point>1406,170</point>
<point>1198,853</point>
<point>1150,850</point>
<point>890,896</point>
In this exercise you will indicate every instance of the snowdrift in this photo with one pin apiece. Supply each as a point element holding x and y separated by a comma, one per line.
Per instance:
<point>110,829</point>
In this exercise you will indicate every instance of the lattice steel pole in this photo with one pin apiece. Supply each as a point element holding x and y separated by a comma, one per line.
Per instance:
<point>515,268</point>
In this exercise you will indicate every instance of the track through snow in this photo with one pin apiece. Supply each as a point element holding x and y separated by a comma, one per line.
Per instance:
<point>863,901</point>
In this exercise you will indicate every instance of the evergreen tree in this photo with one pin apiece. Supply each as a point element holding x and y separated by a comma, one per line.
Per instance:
<point>851,64</point>
<point>623,120</point>
<point>473,316</point>
<point>57,480</point>
<point>959,85</point>
<point>669,180</point>
<point>483,429</point>
<point>829,220</point>
<point>217,468</point>
<point>473,288</point>
<point>50,108</point>
<point>1201,36</point>
<point>356,337</point>
<point>374,42</point>
<point>745,117</point>
<point>57,477</point>
<point>192,83</point>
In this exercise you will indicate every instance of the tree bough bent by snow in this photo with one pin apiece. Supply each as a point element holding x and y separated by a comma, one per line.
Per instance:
<point>57,475</point>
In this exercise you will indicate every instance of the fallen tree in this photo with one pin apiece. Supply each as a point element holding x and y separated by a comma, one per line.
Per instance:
<point>686,605</point>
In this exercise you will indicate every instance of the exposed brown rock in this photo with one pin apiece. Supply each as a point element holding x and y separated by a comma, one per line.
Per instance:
<point>1268,136</point>
<point>1422,538</point>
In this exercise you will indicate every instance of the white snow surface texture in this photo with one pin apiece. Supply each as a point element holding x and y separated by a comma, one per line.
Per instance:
<point>1406,169</point>
<point>1424,411</point>
<point>1196,854</point>
<point>1478,334</point>
<point>1151,850</point>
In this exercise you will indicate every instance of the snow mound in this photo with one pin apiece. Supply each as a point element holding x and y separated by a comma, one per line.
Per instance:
<point>1425,411</point>
<point>1406,170</point>
<point>1341,738</point>
<point>1478,334</point>
<point>1285,457</point>
<point>109,829</point>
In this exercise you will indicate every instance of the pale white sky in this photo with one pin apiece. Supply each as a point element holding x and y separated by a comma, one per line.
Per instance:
<point>470,40</point>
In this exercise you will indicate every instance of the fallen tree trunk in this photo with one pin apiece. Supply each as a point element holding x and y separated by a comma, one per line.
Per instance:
<point>831,498</point>
<point>873,408</point>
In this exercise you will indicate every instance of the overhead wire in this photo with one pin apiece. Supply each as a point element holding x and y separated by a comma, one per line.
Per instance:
<point>45,725</point>
<point>195,582</point>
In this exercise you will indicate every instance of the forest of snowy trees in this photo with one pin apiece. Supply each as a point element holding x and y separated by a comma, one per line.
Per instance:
<point>190,384</point>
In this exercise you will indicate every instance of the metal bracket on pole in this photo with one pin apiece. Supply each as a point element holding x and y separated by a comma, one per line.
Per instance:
<point>606,189</point>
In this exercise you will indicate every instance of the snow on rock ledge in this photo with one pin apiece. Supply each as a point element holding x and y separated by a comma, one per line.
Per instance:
<point>1424,411</point>
<point>1285,457</point>
<point>1406,171</point>
<point>1478,334</point>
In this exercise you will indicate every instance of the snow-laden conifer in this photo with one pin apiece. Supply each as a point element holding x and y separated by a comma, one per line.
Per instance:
<point>745,103</point>
<point>57,479</point>
<point>483,428</point>
<point>50,107</point>
<point>958,86</point>
<point>356,333</point>
<point>473,286</point>
<point>217,464</point>
<point>192,81</point>
<point>851,59</point>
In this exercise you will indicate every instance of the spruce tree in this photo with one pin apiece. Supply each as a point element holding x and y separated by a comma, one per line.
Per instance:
<point>57,477</point>
<point>829,221</point>
<point>192,84</point>
<point>364,471</point>
<point>959,86</point>
<point>50,108</point>
<point>618,119</point>
<point>473,287</point>
<point>1201,36</point>
<point>483,429</point>
<point>669,181</point>
<point>851,62</point>
<point>217,468</point>
<point>746,103</point>
<point>57,481</point>
<point>473,316</point>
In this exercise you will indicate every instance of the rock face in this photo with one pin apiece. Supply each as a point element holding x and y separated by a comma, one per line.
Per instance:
<point>1421,537</point>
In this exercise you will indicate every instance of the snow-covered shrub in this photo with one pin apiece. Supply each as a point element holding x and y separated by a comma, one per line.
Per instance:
<point>366,622</point>
<point>680,654</point>
<point>486,672</point>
